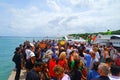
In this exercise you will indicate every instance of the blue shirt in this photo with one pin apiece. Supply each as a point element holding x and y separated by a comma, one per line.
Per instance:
<point>88,60</point>
<point>92,74</point>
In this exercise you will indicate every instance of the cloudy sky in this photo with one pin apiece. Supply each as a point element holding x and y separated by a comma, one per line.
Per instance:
<point>57,17</point>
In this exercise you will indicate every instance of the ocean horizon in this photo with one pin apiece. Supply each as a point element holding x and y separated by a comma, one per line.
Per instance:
<point>7,48</point>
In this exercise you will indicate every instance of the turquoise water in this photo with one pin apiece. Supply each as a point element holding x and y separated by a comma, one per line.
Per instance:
<point>7,47</point>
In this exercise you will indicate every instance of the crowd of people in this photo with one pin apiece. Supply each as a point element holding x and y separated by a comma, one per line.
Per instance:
<point>52,60</point>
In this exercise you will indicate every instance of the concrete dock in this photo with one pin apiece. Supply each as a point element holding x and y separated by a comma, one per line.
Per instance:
<point>22,75</point>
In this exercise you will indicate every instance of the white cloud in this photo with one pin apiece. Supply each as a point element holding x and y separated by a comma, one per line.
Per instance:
<point>75,16</point>
<point>76,2</point>
<point>52,4</point>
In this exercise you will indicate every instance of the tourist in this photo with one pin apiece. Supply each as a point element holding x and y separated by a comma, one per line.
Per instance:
<point>34,73</point>
<point>88,59</point>
<point>52,64</point>
<point>109,62</point>
<point>94,59</point>
<point>30,58</point>
<point>115,72</point>
<point>60,74</point>
<point>76,72</point>
<point>105,54</point>
<point>93,72</point>
<point>17,60</point>
<point>117,60</point>
<point>62,61</point>
<point>103,71</point>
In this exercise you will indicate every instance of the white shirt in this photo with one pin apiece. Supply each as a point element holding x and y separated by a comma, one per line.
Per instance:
<point>29,53</point>
<point>114,78</point>
<point>92,61</point>
<point>97,55</point>
<point>66,77</point>
<point>68,52</point>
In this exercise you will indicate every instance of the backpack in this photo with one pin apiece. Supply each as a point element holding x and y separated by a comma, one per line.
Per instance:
<point>118,61</point>
<point>14,59</point>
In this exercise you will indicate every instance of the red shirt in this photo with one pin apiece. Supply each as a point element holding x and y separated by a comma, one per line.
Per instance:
<point>61,63</point>
<point>52,64</point>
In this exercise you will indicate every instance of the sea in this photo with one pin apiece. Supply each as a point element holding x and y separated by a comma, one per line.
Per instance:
<point>7,48</point>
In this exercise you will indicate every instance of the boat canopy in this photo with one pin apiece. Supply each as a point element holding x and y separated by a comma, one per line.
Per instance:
<point>115,37</point>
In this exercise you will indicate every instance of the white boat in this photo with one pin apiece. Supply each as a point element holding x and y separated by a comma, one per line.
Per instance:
<point>108,39</point>
<point>73,39</point>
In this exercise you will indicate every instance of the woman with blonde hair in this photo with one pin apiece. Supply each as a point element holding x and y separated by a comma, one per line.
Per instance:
<point>63,61</point>
<point>73,56</point>
<point>97,55</point>
<point>60,74</point>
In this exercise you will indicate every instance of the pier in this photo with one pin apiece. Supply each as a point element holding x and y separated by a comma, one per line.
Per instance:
<point>22,75</point>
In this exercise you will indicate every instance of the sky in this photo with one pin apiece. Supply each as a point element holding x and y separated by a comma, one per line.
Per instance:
<point>41,18</point>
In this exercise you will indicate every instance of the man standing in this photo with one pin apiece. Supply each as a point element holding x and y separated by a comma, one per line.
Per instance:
<point>103,70</point>
<point>17,61</point>
<point>115,72</point>
<point>30,58</point>
<point>34,73</point>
